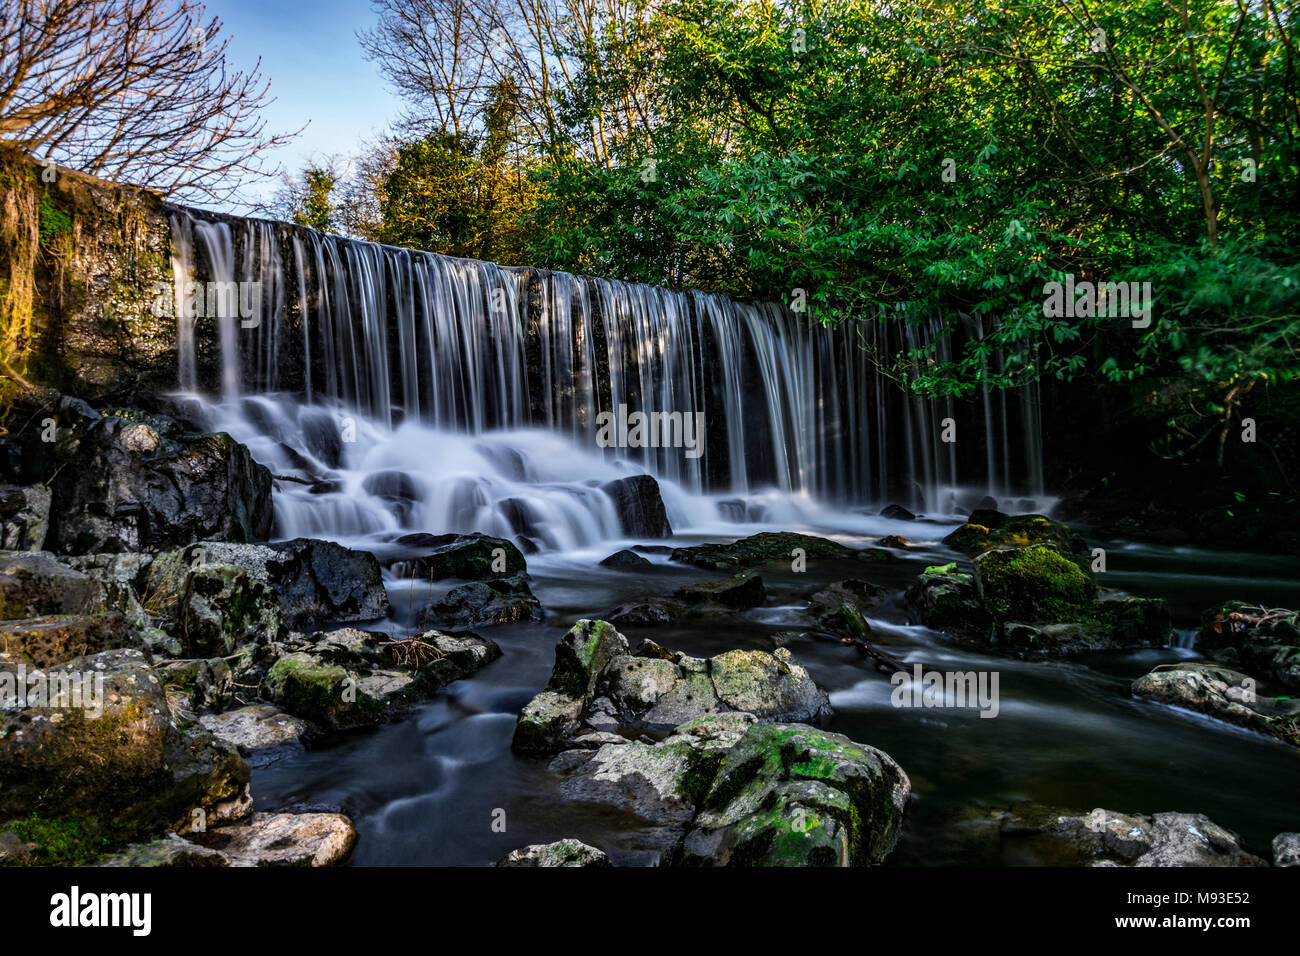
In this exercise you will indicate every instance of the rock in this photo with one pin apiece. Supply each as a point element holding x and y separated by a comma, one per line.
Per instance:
<point>1265,640</point>
<point>496,601</point>
<point>744,590</point>
<point>137,482</point>
<point>1033,583</point>
<point>474,557</point>
<point>725,790</point>
<point>842,607</point>
<point>758,549</point>
<point>624,559</point>
<point>876,555</point>
<point>169,851</point>
<point>987,503</point>
<point>789,795</point>
<point>396,488</point>
<point>559,853</point>
<point>284,839</point>
<point>639,507</point>
<point>599,685</point>
<point>198,686</point>
<point>946,599</point>
<point>24,517</point>
<point>146,770</point>
<point>13,851</point>
<point>34,584</point>
<point>1221,693</point>
<point>897,513</point>
<point>346,679</point>
<point>313,582</point>
<point>1106,838</point>
<point>651,611</point>
<point>894,541</point>
<point>1286,849</point>
<point>262,734</point>
<point>47,641</point>
<point>974,538</point>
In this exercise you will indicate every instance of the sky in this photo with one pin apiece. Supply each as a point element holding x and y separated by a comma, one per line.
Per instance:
<point>318,75</point>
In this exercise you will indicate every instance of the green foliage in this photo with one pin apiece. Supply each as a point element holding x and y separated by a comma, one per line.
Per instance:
<point>54,222</point>
<point>62,842</point>
<point>929,162</point>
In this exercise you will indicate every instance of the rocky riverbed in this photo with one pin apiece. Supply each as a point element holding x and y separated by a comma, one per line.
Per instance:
<point>178,681</point>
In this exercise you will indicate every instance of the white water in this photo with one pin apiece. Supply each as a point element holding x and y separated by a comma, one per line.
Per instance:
<point>393,391</point>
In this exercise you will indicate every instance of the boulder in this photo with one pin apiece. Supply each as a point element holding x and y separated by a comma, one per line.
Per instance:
<point>1044,836</point>
<point>474,557</point>
<point>47,641</point>
<point>727,790</point>
<point>624,559</point>
<point>35,584</point>
<point>897,513</point>
<point>842,607</point>
<point>790,795</point>
<point>639,507</point>
<point>757,550</point>
<point>495,601</point>
<point>1286,849</point>
<point>741,591</point>
<point>1018,531</point>
<point>262,734</point>
<point>560,853</point>
<point>346,679</point>
<point>599,685</point>
<point>1221,693</point>
<point>136,482</point>
<point>1264,640</point>
<point>313,582</point>
<point>102,740</point>
<point>1034,583</point>
<point>946,599</point>
<point>284,839</point>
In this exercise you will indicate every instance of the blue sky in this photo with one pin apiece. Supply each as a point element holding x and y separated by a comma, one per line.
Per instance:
<point>310,52</point>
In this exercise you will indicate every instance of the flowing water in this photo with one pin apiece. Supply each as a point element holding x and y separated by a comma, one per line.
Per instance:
<point>392,391</point>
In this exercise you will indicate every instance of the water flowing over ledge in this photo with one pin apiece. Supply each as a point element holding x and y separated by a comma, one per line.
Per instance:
<point>409,390</point>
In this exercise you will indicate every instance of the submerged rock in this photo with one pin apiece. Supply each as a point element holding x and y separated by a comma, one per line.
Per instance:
<point>759,549</point>
<point>559,853</point>
<point>170,850</point>
<point>842,607</point>
<point>599,685</point>
<point>1224,694</point>
<point>742,591</point>
<point>639,507</point>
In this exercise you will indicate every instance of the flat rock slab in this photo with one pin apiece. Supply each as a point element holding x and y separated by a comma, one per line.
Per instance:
<point>284,839</point>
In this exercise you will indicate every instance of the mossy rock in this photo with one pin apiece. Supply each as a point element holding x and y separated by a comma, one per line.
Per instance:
<point>1016,531</point>
<point>759,549</point>
<point>1033,584</point>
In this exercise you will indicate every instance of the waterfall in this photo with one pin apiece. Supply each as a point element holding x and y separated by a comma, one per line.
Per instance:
<point>392,389</point>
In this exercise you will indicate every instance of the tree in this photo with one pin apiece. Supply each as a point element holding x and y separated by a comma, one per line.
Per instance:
<point>135,90</point>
